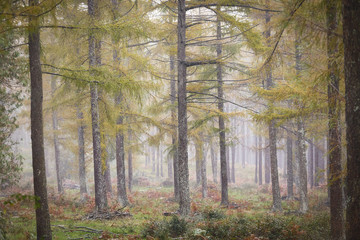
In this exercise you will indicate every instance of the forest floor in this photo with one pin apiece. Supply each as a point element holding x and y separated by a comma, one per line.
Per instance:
<point>152,216</point>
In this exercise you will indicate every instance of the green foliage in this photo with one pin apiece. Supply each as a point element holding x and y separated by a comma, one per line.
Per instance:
<point>12,81</point>
<point>176,227</point>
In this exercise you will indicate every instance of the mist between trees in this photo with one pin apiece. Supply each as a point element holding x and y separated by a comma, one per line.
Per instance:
<point>217,102</point>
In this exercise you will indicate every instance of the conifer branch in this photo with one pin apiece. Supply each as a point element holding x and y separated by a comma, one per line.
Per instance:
<point>230,5</point>
<point>292,13</point>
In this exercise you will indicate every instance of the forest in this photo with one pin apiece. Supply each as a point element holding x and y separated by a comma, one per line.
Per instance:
<point>180,119</point>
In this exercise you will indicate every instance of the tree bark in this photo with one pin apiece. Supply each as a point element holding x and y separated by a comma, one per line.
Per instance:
<point>290,173</point>
<point>94,60</point>
<point>108,175</point>
<point>173,120</point>
<point>256,159</point>
<point>43,228</point>
<point>81,143</point>
<point>198,159</point>
<point>222,141</point>
<point>130,161</point>
<point>267,161</point>
<point>260,152</point>
<point>184,192</point>
<point>351,33</point>
<point>120,158</point>
<point>272,135</point>
<point>311,164</point>
<point>56,141</point>
<point>213,163</point>
<point>302,167</point>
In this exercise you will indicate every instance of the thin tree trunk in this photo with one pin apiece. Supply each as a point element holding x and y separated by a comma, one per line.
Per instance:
<point>244,144</point>
<point>335,168</point>
<point>311,164</point>
<point>56,142</point>
<point>233,159</point>
<point>351,33</point>
<point>153,160</point>
<point>301,135</point>
<point>120,158</point>
<point>317,164</point>
<point>223,160</point>
<point>170,167</point>
<point>203,173</point>
<point>290,173</point>
<point>302,167</point>
<point>161,162</point>
<point>43,228</point>
<point>157,162</point>
<point>228,163</point>
<point>108,176</point>
<point>267,161</point>
<point>130,161</point>
<point>260,152</point>
<point>184,192</point>
<point>81,143</point>
<point>198,159</point>
<point>256,159</point>
<point>173,120</point>
<point>272,135</point>
<point>94,60</point>
<point>213,163</point>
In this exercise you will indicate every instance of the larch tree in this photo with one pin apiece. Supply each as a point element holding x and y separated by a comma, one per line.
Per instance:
<point>43,228</point>
<point>351,38</point>
<point>335,167</point>
<point>94,61</point>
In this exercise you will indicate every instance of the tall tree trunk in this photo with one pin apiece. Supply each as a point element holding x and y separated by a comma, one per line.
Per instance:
<point>130,161</point>
<point>157,162</point>
<point>94,60</point>
<point>108,175</point>
<point>244,144</point>
<point>173,120</point>
<point>170,167</point>
<point>153,160</point>
<point>213,162</point>
<point>317,164</point>
<point>161,162</point>
<point>351,28</point>
<point>198,159</point>
<point>302,167</point>
<point>301,135</point>
<point>272,135</point>
<point>290,169</point>
<point>335,168</point>
<point>311,164</point>
<point>56,141</point>
<point>222,141</point>
<point>184,192</point>
<point>260,152</point>
<point>43,228</point>
<point>228,163</point>
<point>267,161</point>
<point>203,172</point>
<point>120,157</point>
<point>81,143</point>
<point>256,159</point>
<point>233,159</point>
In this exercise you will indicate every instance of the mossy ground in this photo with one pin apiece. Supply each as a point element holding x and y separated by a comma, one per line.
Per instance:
<point>248,216</point>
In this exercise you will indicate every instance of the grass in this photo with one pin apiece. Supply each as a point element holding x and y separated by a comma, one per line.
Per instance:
<point>247,217</point>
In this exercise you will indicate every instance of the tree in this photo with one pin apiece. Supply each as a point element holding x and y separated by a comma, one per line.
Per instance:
<point>81,151</point>
<point>222,139</point>
<point>335,168</point>
<point>351,34</point>
<point>43,228</point>
<point>272,136</point>
<point>184,193</point>
<point>56,142</point>
<point>95,60</point>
